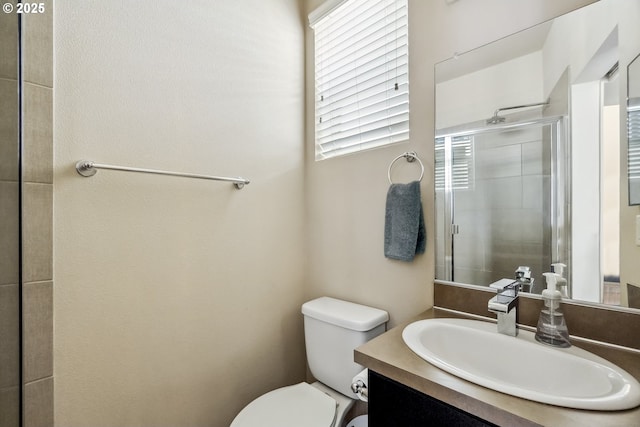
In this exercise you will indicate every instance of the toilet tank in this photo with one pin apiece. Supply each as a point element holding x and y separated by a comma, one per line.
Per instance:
<point>333,329</point>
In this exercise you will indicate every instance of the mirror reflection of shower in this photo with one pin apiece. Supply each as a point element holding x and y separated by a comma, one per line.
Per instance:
<point>500,200</point>
<point>610,181</point>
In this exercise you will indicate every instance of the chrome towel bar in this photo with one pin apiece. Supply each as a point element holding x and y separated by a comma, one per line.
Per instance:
<point>88,168</point>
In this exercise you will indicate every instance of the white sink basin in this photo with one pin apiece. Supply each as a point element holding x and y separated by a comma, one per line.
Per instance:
<point>521,366</point>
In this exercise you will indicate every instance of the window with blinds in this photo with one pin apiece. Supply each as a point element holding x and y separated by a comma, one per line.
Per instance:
<point>633,126</point>
<point>361,75</point>
<point>462,177</point>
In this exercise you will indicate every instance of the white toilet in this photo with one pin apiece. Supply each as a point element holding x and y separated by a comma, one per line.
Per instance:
<point>332,329</point>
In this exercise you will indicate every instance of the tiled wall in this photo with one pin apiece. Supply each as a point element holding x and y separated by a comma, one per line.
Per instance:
<point>9,225</point>
<point>37,217</point>
<point>501,217</point>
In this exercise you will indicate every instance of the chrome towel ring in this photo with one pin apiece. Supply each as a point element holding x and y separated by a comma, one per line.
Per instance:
<point>410,156</point>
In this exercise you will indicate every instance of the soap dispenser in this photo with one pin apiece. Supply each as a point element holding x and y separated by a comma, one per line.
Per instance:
<point>552,328</point>
<point>561,284</point>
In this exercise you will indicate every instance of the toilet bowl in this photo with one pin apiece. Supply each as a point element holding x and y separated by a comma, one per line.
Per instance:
<point>333,329</point>
<point>303,404</point>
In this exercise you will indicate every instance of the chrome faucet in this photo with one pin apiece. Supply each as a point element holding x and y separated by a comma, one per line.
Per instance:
<point>523,275</point>
<point>505,305</point>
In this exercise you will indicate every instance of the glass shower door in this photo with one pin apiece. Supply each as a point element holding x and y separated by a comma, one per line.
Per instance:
<point>499,202</point>
<point>10,181</point>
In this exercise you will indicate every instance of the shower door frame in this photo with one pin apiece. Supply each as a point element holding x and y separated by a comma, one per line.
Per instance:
<point>560,215</point>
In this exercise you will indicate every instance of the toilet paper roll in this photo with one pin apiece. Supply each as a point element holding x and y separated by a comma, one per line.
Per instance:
<point>359,385</point>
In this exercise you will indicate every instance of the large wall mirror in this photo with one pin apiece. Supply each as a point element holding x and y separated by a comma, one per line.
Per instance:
<point>633,125</point>
<point>534,157</point>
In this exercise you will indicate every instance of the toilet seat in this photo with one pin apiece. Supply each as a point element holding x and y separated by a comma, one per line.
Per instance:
<point>292,406</point>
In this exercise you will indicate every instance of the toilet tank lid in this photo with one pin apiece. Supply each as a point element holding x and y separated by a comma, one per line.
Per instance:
<point>345,314</point>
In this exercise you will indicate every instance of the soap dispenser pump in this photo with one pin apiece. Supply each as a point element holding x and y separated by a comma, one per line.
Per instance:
<point>552,328</point>
<point>561,283</point>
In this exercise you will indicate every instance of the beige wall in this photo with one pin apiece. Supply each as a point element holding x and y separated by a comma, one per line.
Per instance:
<point>346,196</point>
<point>177,301</point>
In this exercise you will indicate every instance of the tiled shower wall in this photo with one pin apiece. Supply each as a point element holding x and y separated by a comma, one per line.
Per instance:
<point>37,217</point>
<point>9,224</point>
<point>504,211</point>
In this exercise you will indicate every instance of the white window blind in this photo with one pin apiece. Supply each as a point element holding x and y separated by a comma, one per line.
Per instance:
<point>462,177</point>
<point>361,76</point>
<point>633,125</point>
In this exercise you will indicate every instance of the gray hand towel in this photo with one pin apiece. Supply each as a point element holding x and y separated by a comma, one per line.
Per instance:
<point>404,232</point>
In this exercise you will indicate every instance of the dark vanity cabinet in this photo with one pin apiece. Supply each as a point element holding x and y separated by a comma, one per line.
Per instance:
<point>393,404</point>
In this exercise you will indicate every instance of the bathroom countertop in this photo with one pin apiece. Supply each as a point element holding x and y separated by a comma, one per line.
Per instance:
<point>389,356</point>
